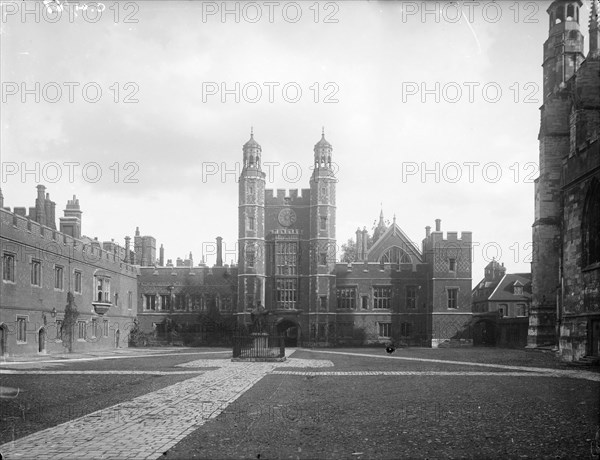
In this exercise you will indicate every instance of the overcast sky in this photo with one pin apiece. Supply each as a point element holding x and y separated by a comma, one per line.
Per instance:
<point>162,132</point>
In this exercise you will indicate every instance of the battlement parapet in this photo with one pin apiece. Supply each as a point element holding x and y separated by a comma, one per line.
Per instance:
<point>282,196</point>
<point>157,274</point>
<point>451,237</point>
<point>26,238</point>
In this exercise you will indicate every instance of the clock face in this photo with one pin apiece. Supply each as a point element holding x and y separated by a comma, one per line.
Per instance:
<point>287,217</point>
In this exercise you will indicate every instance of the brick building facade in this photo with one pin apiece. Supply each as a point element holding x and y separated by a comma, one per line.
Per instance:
<point>565,307</point>
<point>187,304</point>
<point>394,290</point>
<point>507,295</point>
<point>287,245</point>
<point>410,295</point>
<point>501,304</point>
<point>42,264</point>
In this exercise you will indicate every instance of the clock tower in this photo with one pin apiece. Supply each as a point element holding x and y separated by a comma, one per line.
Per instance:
<point>251,230</point>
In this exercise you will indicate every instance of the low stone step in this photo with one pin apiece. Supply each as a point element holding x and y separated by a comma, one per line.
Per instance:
<point>586,361</point>
<point>580,364</point>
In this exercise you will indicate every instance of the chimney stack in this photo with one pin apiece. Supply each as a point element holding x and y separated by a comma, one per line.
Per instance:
<point>359,242</point>
<point>161,256</point>
<point>219,251</point>
<point>438,225</point>
<point>137,246</point>
<point>71,222</point>
<point>427,231</point>
<point>40,205</point>
<point>53,215</point>
<point>127,248</point>
<point>47,211</point>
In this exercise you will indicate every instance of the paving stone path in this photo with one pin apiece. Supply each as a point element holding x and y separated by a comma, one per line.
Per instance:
<point>149,425</point>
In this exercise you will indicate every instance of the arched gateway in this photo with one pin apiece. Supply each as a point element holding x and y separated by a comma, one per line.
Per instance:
<point>290,330</point>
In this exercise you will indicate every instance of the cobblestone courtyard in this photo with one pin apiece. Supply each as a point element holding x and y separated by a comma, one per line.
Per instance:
<point>357,403</point>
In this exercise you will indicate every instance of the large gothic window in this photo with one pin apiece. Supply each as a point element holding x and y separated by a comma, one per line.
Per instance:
<point>395,255</point>
<point>286,257</point>
<point>590,226</point>
<point>286,293</point>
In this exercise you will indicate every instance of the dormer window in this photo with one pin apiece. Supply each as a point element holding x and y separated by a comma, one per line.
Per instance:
<point>517,288</point>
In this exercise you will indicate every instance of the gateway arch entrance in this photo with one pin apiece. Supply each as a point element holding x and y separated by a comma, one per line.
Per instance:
<point>290,331</point>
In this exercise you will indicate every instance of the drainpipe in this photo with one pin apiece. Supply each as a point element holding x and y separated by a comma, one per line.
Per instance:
<point>560,297</point>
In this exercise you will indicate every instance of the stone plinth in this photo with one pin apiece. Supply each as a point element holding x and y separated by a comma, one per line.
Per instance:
<point>260,341</point>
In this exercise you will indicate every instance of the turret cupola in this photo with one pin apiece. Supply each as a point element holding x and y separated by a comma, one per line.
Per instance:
<point>563,51</point>
<point>323,151</point>
<point>252,153</point>
<point>563,11</point>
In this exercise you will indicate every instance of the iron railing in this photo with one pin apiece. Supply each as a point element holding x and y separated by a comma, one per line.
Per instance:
<point>258,346</point>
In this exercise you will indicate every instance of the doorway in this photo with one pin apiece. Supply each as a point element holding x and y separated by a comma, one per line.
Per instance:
<point>484,333</point>
<point>290,331</point>
<point>3,335</point>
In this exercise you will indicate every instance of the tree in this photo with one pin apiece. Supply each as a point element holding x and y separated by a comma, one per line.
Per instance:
<point>67,328</point>
<point>349,251</point>
<point>212,324</point>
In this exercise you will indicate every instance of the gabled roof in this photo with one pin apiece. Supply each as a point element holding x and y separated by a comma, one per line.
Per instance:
<point>505,289</point>
<point>393,236</point>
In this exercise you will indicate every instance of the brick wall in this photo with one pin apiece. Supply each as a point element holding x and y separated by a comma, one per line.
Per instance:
<point>28,240</point>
